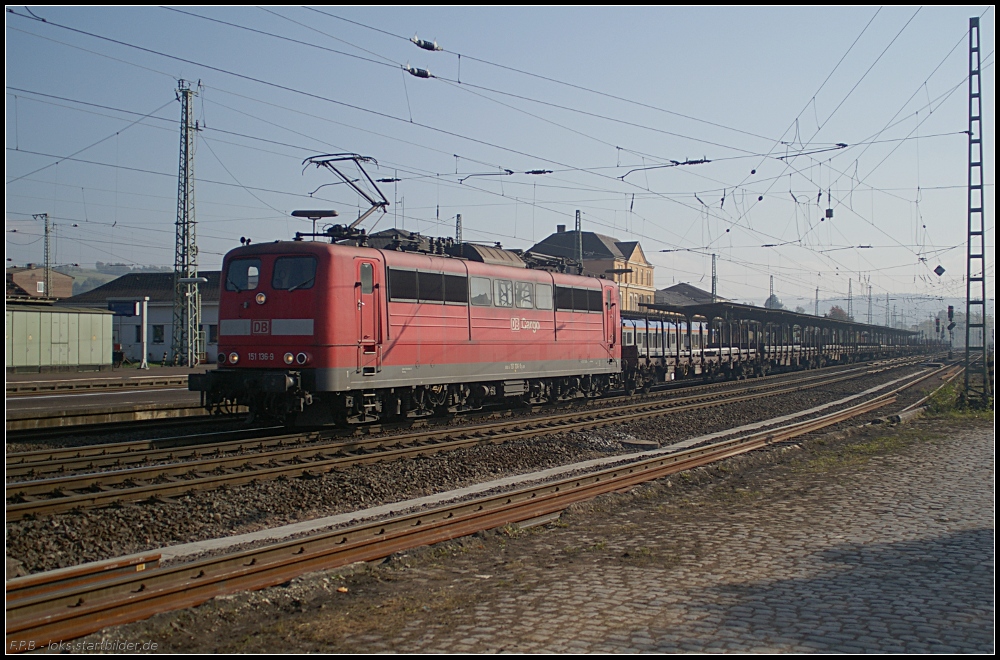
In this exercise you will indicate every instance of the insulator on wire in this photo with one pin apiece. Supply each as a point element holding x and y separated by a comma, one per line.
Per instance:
<point>419,73</point>
<point>426,45</point>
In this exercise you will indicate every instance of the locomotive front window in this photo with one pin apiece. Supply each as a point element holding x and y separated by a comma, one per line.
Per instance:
<point>480,292</point>
<point>291,273</point>
<point>543,296</point>
<point>243,275</point>
<point>524,294</point>
<point>504,293</point>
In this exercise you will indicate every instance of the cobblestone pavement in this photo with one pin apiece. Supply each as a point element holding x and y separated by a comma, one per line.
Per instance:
<point>873,546</point>
<point>896,557</point>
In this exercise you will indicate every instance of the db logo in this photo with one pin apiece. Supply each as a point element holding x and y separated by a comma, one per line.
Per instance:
<point>260,327</point>
<point>518,324</point>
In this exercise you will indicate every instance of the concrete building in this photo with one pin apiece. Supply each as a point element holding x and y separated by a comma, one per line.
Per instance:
<point>607,257</point>
<point>160,289</point>
<point>28,282</point>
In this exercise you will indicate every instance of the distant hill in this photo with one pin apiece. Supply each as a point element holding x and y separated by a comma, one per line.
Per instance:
<point>87,279</point>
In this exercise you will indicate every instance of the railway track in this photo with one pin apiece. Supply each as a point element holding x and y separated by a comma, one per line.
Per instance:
<point>240,461</point>
<point>16,461</point>
<point>157,417</point>
<point>127,454</point>
<point>39,611</point>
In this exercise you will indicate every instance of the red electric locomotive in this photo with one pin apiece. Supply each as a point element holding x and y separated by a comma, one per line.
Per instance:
<point>316,332</point>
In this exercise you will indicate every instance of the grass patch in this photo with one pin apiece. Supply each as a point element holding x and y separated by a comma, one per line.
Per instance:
<point>859,453</point>
<point>948,403</point>
<point>379,616</point>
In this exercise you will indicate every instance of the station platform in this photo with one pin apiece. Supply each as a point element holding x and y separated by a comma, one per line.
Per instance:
<point>113,379</point>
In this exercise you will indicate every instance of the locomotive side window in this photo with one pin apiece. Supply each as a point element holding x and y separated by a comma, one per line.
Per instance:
<point>594,300</point>
<point>564,299</point>
<point>543,296</point>
<point>402,284</point>
<point>291,273</point>
<point>424,286</point>
<point>456,289</point>
<point>503,291</point>
<point>243,275</point>
<point>481,293</point>
<point>524,294</point>
<point>578,300</point>
<point>430,287</point>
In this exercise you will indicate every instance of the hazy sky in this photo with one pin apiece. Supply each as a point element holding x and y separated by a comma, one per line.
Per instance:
<point>593,94</point>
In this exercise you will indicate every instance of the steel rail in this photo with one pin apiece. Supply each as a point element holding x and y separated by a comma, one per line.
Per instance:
<point>135,483</point>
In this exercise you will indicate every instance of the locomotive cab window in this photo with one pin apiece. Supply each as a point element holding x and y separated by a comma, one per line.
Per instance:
<point>243,275</point>
<point>367,278</point>
<point>291,273</point>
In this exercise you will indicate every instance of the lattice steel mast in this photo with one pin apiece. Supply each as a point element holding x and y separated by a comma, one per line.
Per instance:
<point>187,342</point>
<point>977,385</point>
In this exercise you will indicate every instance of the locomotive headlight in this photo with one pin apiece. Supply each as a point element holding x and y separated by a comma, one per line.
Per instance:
<point>289,358</point>
<point>234,357</point>
<point>301,358</point>
<point>261,298</point>
<point>221,358</point>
